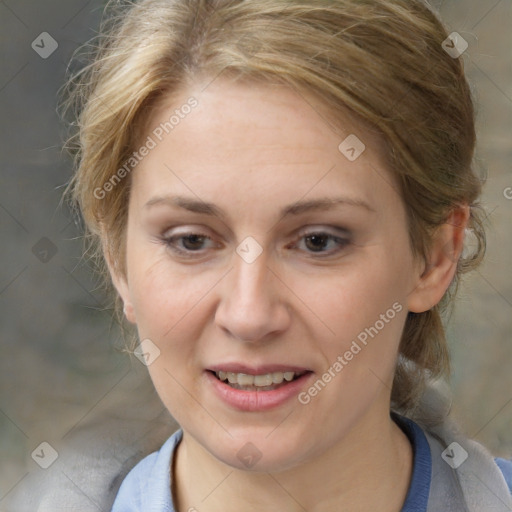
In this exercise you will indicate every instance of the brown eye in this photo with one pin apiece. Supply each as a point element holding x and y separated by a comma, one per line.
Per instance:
<point>186,243</point>
<point>316,242</point>
<point>192,242</point>
<point>323,243</point>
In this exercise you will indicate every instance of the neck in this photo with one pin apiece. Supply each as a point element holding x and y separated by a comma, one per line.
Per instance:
<point>366,459</point>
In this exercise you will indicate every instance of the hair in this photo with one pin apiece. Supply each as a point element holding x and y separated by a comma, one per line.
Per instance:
<point>381,60</point>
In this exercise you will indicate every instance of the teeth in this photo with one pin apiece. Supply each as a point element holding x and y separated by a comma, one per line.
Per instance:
<point>267,379</point>
<point>277,377</point>
<point>263,380</point>
<point>245,380</point>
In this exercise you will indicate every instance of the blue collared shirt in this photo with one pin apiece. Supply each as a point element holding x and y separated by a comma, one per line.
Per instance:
<point>147,487</point>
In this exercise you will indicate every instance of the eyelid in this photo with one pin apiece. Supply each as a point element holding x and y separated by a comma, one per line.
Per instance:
<point>167,239</point>
<point>186,230</point>
<point>313,229</point>
<point>328,230</point>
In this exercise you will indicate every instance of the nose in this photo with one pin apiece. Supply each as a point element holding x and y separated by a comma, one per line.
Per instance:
<point>253,305</point>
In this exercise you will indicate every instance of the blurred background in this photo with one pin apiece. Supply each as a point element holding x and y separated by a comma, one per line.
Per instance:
<point>62,369</point>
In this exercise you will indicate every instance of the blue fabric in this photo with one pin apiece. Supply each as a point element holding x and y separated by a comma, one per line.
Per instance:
<point>146,488</point>
<point>506,469</point>
<point>419,489</point>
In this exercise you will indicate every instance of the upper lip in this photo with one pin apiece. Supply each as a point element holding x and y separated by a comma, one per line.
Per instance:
<point>256,370</point>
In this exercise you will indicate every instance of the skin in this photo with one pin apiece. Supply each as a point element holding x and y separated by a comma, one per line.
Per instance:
<point>252,150</point>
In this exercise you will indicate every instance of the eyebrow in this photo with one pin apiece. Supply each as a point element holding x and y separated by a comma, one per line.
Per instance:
<point>296,208</point>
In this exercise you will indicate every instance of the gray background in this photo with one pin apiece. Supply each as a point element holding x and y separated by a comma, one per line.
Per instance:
<point>61,367</point>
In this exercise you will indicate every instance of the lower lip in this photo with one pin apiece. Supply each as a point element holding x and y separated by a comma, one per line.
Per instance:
<point>256,400</point>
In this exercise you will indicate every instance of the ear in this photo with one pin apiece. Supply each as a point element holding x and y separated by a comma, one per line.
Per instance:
<point>119,281</point>
<point>438,272</point>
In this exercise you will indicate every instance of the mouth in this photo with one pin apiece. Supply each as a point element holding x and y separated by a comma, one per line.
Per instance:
<point>269,381</point>
<point>256,389</point>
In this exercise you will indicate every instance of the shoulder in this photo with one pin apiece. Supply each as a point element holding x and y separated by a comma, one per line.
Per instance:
<point>91,463</point>
<point>82,477</point>
<point>463,466</point>
<point>470,458</point>
<point>148,481</point>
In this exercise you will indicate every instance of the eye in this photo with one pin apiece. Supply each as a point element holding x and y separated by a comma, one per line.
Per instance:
<point>318,242</point>
<point>190,243</point>
<point>315,242</point>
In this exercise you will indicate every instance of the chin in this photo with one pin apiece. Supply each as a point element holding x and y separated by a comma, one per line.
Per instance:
<point>256,451</point>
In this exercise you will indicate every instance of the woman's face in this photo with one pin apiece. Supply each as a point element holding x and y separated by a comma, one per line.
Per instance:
<point>257,245</point>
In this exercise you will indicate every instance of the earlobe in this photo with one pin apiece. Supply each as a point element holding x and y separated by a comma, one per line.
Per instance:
<point>129,312</point>
<point>438,272</point>
<point>122,288</point>
<point>120,284</point>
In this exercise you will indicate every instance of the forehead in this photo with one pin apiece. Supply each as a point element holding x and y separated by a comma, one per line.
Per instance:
<point>245,143</point>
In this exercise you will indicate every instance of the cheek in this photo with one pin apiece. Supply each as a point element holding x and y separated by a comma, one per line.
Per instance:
<point>166,303</point>
<point>365,311</point>
<point>366,314</point>
<point>162,294</point>
<point>355,300</point>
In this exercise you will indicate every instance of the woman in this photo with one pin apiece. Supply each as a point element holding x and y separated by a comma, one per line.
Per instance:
<point>281,192</point>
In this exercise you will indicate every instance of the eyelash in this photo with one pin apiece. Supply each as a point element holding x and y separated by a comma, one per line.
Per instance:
<point>170,243</point>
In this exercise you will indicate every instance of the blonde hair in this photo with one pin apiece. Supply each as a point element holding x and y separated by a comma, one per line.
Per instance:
<point>383,60</point>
